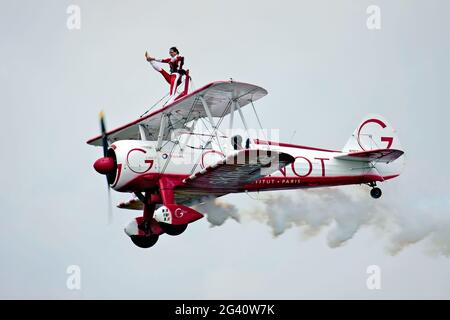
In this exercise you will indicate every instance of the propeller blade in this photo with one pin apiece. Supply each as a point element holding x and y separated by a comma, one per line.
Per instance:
<point>105,153</point>
<point>104,135</point>
<point>110,212</point>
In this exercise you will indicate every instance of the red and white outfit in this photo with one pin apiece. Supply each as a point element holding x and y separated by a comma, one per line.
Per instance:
<point>176,71</point>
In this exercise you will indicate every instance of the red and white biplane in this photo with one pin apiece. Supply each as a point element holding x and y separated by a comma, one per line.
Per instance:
<point>169,166</point>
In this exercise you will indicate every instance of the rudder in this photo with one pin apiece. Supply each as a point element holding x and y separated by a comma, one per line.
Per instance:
<point>373,132</point>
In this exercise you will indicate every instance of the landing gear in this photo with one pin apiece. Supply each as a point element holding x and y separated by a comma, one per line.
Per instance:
<point>173,230</point>
<point>144,231</point>
<point>144,241</point>
<point>375,192</point>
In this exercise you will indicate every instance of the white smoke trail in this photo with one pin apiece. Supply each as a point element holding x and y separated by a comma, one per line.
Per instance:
<point>342,213</point>
<point>217,211</point>
<point>314,209</point>
<point>426,221</point>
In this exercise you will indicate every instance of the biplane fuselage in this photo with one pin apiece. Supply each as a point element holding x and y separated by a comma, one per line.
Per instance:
<point>140,166</point>
<point>169,166</point>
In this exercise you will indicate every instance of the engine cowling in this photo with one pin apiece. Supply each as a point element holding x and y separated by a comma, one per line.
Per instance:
<point>126,160</point>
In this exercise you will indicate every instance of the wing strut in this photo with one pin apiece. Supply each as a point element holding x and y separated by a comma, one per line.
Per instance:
<point>238,107</point>
<point>211,120</point>
<point>162,127</point>
<point>191,130</point>
<point>142,132</point>
<point>231,116</point>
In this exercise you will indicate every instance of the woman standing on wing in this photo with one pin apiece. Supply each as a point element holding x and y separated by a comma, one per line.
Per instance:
<point>176,68</point>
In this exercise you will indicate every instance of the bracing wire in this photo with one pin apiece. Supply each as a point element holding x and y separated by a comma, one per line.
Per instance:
<point>154,105</point>
<point>215,130</point>
<point>184,124</point>
<point>165,96</point>
<point>259,121</point>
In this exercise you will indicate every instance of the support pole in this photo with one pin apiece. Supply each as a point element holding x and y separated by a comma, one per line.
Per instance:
<point>211,120</point>
<point>208,112</point>
<point>191,130</point>
<point>231,115</point>
<point>162,127</point>
<point>142,132</point>
<point>242,118</point>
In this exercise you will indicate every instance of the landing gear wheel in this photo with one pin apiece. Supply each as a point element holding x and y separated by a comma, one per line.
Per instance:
<point>173,230</point>
<point>375,193</point>
<point>144,241</point>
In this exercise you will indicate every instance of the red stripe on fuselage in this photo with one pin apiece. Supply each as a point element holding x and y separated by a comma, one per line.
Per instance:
<point>150,180</point>
<point>280,183</point>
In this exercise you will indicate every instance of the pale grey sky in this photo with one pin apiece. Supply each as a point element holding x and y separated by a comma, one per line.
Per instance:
<point>324,71</point>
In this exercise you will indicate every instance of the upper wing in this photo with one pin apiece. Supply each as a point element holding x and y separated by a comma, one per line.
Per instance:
<point>218,96</point>
<point>237,170</point>
<point>380,155</point>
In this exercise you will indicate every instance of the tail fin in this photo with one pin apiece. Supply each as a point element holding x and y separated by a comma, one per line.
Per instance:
<point>373,133</point>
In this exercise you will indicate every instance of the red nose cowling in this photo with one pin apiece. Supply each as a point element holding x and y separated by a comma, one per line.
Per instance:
<point>104,165</point>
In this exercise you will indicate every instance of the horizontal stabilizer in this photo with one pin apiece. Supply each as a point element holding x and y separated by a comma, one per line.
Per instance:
<point>378,155</point>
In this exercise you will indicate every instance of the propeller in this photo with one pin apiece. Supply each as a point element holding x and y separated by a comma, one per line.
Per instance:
<point>104,135</point>
<point>107,164</point>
